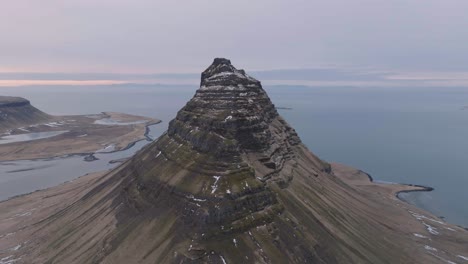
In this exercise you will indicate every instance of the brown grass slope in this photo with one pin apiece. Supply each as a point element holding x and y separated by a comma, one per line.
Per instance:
<point>320,220</point>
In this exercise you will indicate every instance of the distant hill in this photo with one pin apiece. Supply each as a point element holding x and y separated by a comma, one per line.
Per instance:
<point>16,112</point>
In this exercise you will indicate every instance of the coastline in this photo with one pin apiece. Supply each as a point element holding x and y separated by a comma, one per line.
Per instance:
<point>358,178</point>
<point>128,145</point>
<point>82,154</point>
<point>421,188</point>
<point>53,187</point>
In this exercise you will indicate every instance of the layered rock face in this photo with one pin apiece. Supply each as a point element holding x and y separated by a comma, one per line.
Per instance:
<point>231,109</point>
<point>16,112</point>
<point>230,182</point>
<point>229,127</point>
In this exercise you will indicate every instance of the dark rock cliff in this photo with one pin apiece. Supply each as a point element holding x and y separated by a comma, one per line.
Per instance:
<point>229,112</point>
<point>229,118</point>
<point>230,182</point>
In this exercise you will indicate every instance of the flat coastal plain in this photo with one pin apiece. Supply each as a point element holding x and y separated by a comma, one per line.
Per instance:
<point>76,134</point>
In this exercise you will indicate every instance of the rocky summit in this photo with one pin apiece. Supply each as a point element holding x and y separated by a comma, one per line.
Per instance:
<point>230,182</point>
<point>209,155</point>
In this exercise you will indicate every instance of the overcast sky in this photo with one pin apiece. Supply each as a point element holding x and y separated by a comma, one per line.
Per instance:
<point>139,36</point>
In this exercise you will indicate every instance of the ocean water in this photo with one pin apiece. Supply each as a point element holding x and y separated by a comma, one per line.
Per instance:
<point>404,135</point>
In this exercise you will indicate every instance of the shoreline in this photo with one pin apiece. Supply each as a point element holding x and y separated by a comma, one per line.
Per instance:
<point>129,145</point>
<point>84,154</point>
<point>45,189</point>
<point>417,188</point>
<point>84,136</point>
<point>422,188</point>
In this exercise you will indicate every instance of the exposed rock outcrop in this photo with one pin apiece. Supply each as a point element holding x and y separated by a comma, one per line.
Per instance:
<point>230,182</point>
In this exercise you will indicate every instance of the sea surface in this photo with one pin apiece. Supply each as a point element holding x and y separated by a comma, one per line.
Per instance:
<point>407,135</point>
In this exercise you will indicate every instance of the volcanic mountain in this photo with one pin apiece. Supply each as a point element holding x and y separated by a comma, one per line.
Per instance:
<point>230,182</point>
<point>17,111</point>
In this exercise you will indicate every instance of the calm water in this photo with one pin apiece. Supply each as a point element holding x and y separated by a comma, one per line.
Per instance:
<point>24,176</point>
<point>29,136</point>
<point>411,135</point>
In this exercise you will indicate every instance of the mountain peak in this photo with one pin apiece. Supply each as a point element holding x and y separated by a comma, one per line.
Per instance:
<point>230,182</point>
<point>210,153</point>
<point>229,113</point>
<point>222,61</point>
<point>221,70</point>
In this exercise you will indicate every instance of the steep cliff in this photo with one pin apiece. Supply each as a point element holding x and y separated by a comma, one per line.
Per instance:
<point>230,182</point>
